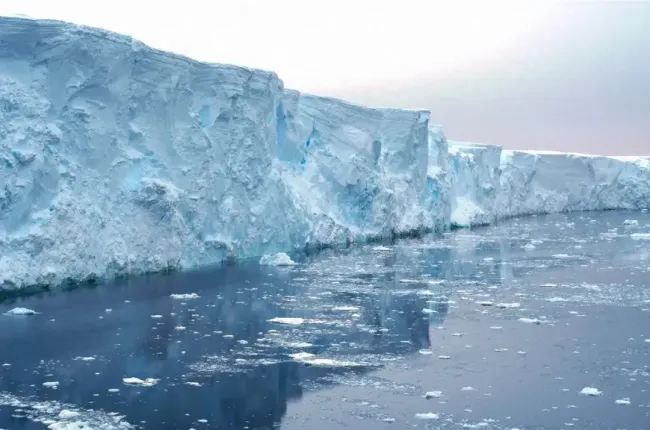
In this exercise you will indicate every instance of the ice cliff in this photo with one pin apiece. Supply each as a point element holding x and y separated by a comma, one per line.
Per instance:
<point>118,159</point>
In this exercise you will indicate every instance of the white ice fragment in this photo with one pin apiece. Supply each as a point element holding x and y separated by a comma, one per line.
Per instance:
<point>590,391</point>
<point>52,384</point>
<point>289,321</point>
<point>66,414</point>
<point>530,320</point>
<point>444,357</point>
<point>189,296</point>
<point>548,285</point>
<point>427,416</point>
<point>84,358</point>
<point>508,305</point>
<point>148,382</point>
<point>425,352</point>
<point>20,311</point>
<point>484,303</point>
<point>631,222</point>
<point>345,308</point>
<point>561,256</point>
<point>193,384</point>
<point>623,401</point>
<point>180,328</point>
<point>279,259</point>
<point>468,389</point>
<point>640,236</point>
<point>529,247</point>
<point>156,316</point>
<point>433,394</point>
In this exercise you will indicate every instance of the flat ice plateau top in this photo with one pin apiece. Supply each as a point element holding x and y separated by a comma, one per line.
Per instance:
<point>118,159</point>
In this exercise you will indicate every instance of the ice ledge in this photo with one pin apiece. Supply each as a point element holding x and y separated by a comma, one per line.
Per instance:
<point>118,159</point>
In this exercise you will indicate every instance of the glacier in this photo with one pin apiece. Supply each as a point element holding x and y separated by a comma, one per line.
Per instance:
<point>119,159</point>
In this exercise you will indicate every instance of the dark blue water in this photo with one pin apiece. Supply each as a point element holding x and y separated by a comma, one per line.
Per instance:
<point>366,333</point>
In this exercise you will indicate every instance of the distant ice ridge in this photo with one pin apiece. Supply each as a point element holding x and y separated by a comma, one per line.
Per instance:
<point>118,159</point>
<point>493,184</point>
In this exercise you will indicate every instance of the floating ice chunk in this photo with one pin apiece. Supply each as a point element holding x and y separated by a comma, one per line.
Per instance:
<point>313,360</point>
<point>484,303</point>
<point>530,320</point>
<point>287,320</point>
<point>299,345</point>
<point>548,285</point>
<point>156,316</point>
<point>508,305</point>
<point>193,384</point>
<point>84,358</point>
<point>149,382</point>
<point>631,222</point>
<point>529,247</point>
<point>279,259</point>
<point>113,390</point>
<point>623,401</point>
<point>180,328</point>
<point>425,352</point>
<point>20,311</point>
<point>427,416</point>
<point>444,357</point>
<point>468,389</point>
<point>590,391</point>
<point>389,420</point>
<point>432,394</point>
<point>345,308</point>
<point>189,296</point>
<point>380,248</point>
<point>409,281</point>
<point>561,256</point>
<point>640,236</point>
<point>66,414</point>
<point>52,384</point>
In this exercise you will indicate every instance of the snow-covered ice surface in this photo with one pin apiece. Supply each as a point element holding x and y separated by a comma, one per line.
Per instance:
<point>355,338</point>
<point>118,159</point>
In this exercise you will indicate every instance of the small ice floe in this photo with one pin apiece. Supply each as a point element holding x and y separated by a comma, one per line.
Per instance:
<point>496,327</point>
<point>288,321</point>
<point>156,316</point>
<point>640,236</point>
<point>484,303</point>
<point>193,384</point>
<point>6,365</point>
<point>83,359</point>
<point>189,296</point>
<point>427,416</point>
<point>548,285</point>
<point>458,334</point>
<point>623,401</point>
<point>535,321</point>
<point>345,308</point>
<point>432,394</point>
<point>557,299</point>
<point>631,222</point>
<point>311,359</point>
<point>590,391</point>
<point>409,281</point>
<point>529,247</point>
<point>500,349</point>
<point>108,310</point>
<point>468,389</point>
<point>299,344</point>
<point>66,414</point>
<point>646,340</point>
<point>113,390</point>
<point>388,420</point>
<point>429,311</point>
<point>381,248</point>
<point>444,357</point>
<point>180,328</point>
<point>53,384</point>
<point>425,352</point>
<point>149,382</point>
<point>20,311</point>
<point>279,259</point>
<point>513,305</point>
<point>561,256</point>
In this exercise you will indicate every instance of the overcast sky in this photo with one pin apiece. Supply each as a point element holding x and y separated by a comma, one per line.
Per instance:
<point>524,74</point>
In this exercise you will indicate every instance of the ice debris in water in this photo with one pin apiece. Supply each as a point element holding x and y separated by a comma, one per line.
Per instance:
<point>590,391</point>
<point>640,236</point>
<point>432,394</point>
<point>508,305</point>
<point>279,259</point>
<point>427,416</point>
<point>289,321</point>
<point>623,401</point>
<point>20,311</point>
<point>149,382</point>
<point>189,296</point>
<point>530,320</point>
<point>632,222</point>
<point>84,358</point>
<point>51,384</point>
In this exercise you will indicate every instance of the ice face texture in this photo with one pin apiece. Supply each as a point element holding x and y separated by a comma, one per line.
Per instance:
<point>118,159</point>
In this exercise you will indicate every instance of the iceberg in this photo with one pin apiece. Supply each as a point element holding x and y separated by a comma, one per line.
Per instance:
<point>118,159</point>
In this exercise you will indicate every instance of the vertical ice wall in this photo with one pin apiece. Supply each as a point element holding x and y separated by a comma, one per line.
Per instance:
<point>359,172</point>
<point>118,159</point>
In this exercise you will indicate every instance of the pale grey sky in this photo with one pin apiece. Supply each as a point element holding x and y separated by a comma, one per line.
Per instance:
<point>529,74</point>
